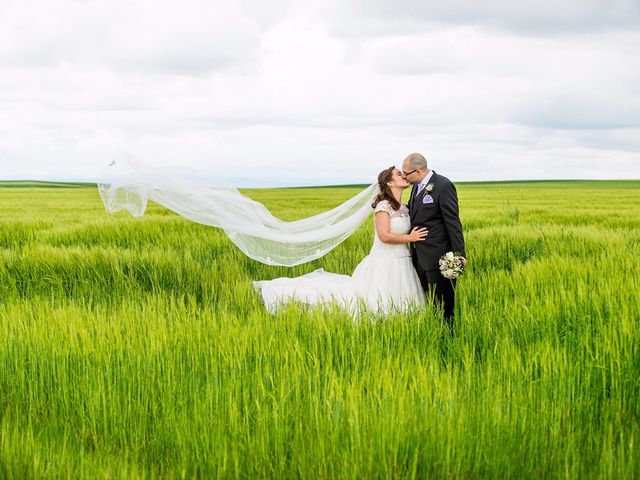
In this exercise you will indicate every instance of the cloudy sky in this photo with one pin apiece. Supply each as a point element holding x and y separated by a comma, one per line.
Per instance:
<point>321,92</point>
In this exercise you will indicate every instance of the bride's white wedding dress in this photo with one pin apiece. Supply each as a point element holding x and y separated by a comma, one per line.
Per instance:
<point>384,282</point>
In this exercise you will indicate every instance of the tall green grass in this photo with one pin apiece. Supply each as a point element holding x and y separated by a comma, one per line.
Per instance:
<point>138,348</point>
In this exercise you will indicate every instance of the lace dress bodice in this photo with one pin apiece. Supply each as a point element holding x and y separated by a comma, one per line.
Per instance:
<point>400,224</point>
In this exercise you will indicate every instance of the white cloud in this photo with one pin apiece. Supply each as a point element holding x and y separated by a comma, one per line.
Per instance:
<point>300,93</point>
<point>379,17</point>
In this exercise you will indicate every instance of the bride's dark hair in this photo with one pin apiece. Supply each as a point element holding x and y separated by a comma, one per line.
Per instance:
<point>384,177</point>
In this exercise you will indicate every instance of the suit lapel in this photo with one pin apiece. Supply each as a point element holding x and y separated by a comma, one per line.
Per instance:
<point>416,200</point>
<point>432,180</point>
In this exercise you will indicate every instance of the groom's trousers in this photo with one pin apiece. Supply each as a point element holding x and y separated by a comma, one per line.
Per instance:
<point>442,289</point>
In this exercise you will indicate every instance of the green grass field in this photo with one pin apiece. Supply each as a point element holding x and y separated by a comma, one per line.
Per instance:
<point>138,348</point>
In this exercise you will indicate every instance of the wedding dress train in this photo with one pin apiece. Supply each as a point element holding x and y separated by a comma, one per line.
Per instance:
<point>384,282</point>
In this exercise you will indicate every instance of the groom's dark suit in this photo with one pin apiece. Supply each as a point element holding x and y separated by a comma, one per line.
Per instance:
<point>439,214</point>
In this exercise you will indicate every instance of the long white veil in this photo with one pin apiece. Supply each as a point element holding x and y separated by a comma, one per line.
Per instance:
<point>128,183</point>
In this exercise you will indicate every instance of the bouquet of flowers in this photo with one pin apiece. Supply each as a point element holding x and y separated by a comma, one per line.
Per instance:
<point>452,264</point>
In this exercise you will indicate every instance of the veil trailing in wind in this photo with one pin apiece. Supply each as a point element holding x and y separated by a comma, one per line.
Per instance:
<point>128,183</point>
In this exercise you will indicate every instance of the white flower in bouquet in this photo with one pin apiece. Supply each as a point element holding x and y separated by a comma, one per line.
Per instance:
<point>452,265</point>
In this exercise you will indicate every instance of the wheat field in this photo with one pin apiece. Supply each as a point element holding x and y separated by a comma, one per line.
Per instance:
<point>138,348</point>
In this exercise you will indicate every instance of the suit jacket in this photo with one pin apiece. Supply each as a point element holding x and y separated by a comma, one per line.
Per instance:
<point>441,219</point>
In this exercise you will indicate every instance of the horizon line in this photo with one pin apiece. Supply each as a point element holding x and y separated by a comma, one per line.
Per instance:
<point>345,185</point>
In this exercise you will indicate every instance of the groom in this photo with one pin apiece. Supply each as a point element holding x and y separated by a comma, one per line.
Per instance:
<point>434,205</point>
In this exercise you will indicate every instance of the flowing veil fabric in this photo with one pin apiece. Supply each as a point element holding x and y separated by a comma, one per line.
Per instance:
<point>128,183</point>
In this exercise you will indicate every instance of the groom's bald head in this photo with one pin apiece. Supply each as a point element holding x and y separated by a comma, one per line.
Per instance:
<point>414,167</point>
<point>415,161</point>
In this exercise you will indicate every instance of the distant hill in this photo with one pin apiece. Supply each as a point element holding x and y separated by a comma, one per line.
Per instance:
<point>44,184</point>
<point>515,183</point>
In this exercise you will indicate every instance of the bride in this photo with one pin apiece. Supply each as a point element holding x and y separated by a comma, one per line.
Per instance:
<point>384,282</point>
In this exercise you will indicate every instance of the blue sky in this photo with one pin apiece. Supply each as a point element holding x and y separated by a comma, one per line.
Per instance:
<point>326,92</point>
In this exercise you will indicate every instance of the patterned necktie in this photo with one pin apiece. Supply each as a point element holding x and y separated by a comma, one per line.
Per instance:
<point>412,197</point>
<point>415,194</point>
<point>415,191</point>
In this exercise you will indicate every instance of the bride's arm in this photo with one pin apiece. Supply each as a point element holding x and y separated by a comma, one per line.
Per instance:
<point>383,229</point>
